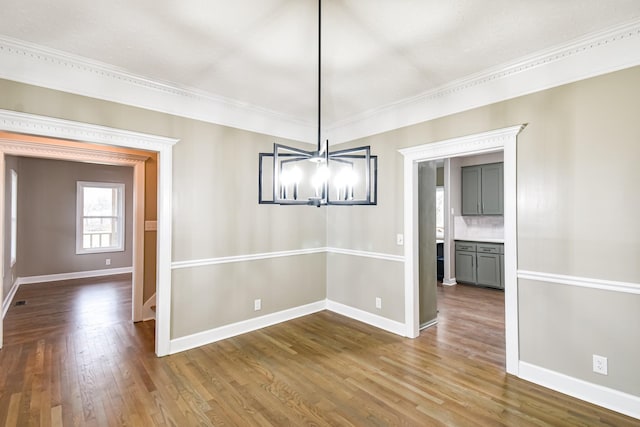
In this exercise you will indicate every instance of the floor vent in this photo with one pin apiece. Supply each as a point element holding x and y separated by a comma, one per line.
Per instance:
<point>23,302</point>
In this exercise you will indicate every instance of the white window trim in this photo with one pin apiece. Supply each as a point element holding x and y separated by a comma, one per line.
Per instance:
<point>80,214</point>
<point>14,218</point>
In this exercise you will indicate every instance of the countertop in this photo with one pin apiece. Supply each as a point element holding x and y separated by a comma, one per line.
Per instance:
<point>479,239</point>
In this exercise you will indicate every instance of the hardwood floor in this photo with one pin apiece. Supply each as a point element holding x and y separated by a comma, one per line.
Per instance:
<point>72,357</point>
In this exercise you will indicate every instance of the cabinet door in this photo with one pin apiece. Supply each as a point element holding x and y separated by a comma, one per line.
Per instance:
<point>492,199</point>
<point>471,190</point>
<point>466,267</point>
<point>488,270</point>
<point>502,271</point>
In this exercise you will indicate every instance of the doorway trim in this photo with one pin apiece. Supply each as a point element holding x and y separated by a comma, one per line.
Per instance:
<point>481,143</point>
<point>31,124</point>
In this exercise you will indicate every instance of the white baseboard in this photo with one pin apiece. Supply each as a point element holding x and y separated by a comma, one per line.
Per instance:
<point>449,282</point>
<point>615,400</point>
<point>147,312</point>
<point>8,299</point>
<point>368,318</point>
<point>228,331</point>
<point>429,324</point>
<point>74,275</point>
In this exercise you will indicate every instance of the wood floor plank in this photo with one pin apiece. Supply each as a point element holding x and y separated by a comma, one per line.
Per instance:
<point>72,357</point>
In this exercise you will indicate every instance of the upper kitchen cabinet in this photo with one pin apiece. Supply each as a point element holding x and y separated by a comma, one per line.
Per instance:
<point>482,189</point>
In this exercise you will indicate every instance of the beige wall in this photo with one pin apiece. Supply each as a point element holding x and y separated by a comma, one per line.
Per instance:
<point>227,291</point>
<point>565,325</point>
<point>47,216</point>
<point>215,210</point>
<point>571,221</point>
<point>357,281</point>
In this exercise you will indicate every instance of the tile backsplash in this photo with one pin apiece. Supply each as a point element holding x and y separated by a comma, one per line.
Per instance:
<point>478,227</point>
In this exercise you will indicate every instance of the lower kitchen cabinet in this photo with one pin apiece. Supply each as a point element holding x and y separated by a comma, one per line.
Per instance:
<point>480,264</point>
<point>466,266</point>
<point>488,270</point>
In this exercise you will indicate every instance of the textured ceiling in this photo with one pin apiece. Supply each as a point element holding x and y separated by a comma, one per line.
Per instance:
<point>263,52</point>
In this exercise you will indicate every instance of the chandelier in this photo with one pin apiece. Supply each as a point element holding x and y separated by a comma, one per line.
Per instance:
<point>292,176</point>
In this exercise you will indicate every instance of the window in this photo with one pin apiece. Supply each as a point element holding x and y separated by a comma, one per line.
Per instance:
<point>439,212</point>
<point>14,216</point>
<point>100,217</point>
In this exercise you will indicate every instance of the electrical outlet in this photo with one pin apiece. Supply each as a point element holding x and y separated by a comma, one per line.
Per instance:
<point>378,303</point>
<point>257,305</point>
<point>399,239</point>
<point>107,261</point>
<point>599,364</point>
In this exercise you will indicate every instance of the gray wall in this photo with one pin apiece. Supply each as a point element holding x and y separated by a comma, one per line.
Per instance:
<point>571,221</point>
<point>10,273</point>
<point>47,216</point>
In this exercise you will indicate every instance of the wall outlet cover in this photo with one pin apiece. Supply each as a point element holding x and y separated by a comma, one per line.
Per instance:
<point>257,305</point>
<point>600,364</point>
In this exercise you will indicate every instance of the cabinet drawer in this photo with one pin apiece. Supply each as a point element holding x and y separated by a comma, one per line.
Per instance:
<point>466,246</point>
<point>489,248</point>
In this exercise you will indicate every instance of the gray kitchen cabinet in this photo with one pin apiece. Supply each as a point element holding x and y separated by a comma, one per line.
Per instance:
<point>480,264</point>
<point>482,189</point>
<point>492,198</point>
<point>466,266</point>
<point>471,190</point>
<point>466,262</point>
<point>488,270</point>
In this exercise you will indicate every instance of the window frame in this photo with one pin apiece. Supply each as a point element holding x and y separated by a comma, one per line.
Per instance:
<point>120,215</point>
<point>13,245</point>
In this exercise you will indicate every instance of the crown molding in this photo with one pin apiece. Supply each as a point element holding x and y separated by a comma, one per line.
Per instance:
<point>598,53</point>
<point>33,149</point>
<point>13,121</point>
<point>53,69</point>
<point>479,143</point>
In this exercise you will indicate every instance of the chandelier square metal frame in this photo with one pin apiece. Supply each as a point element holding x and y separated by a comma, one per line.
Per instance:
<point>293,176</point>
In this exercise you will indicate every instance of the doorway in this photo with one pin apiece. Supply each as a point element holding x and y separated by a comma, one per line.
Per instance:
<point>69,132</point>
<point>487,142</point>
